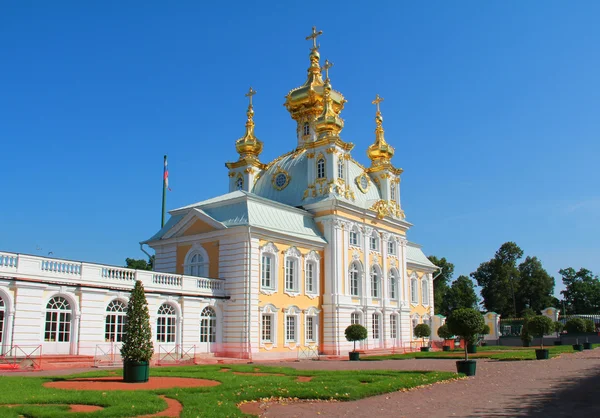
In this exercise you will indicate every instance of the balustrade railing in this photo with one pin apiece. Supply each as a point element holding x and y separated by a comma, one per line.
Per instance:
<point>49,269</point>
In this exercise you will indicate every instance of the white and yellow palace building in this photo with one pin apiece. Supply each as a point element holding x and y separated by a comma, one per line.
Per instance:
<point>300,248</point>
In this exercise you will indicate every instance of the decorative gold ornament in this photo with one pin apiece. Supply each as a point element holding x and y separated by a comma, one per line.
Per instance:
<point>249,145</point>
<point>384,208</point>
<point>380,152</point>
<point>280,179</point>
<point>363,182</point>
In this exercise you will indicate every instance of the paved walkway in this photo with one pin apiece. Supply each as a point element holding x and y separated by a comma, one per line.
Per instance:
<point>561,387</point>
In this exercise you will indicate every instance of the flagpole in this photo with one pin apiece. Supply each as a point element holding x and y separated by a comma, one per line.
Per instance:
<point>164,196</point>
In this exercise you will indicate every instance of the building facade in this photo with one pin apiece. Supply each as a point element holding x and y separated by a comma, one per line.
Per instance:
<point>298,249</point>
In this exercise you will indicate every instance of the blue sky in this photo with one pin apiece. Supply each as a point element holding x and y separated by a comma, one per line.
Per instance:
<point>492,108</point>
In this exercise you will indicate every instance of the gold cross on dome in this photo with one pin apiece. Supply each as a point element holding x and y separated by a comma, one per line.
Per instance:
<point>313,36</point>
<point>377,101</point>
<point>250,94</point>
<point>326,67</point>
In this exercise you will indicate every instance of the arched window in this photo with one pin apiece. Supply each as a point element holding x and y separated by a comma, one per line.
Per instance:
<point>424,291</point>
<point>393,326</point>
<point>374,240</point>
<point>2,310</point>
<point>239,183</point>
<point>292,263</point>
<point>114,325</point>
<point>375,282</point>
<point>208,325</point>
<point>376,325</point>
<point>311,273</point>
<point>268,267</point>
<point>321,168</point>
<point>414,293</point>
<point>354,318</point>
<point>58,320</point>
<point>415,322</point>
<point>393,284</point>
<point>306,129</point>
<point>353,237</point>
<point>166,323</point>
<point>354,279</point>
<point>341,168</point>
<point>196,263</point>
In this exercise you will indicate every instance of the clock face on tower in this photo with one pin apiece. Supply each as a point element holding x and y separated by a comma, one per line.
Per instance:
<point>362,182</point>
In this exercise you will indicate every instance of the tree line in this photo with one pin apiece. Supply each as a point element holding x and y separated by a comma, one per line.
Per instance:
<point>514,287</point>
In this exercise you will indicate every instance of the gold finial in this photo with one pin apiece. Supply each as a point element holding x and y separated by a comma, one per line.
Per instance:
<point>326,67</point>
<point>377,101</point>
<point>249,95</point>
<point>313,36</point>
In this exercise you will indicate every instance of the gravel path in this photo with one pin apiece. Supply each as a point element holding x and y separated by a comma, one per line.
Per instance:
<point>560,387</point>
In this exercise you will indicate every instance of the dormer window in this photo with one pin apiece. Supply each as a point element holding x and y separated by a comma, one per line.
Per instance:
<point>393,192</point>
<point>306,129</point>
<point>321,168</point>
<point>239,183</point>
<point>341,168</point>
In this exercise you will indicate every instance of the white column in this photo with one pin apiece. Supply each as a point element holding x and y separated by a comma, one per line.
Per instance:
<point>384,289</point>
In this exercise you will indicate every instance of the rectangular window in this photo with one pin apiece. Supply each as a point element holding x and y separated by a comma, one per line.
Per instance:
<point>391,248</point>
<point>266,272</point>
<point>375,326</point>
<point>414,295</point>
<point>310,278</point>
<point>165,329</point>
<point>354,291</point>
<point>310,328</point>
<point>393,192</point>
<point>353,238</point>
<point>393,287</point>
<point>267,330</point>
<point>290,274</point>
<point>393,327</point>
<point>374,243</point>
<point>290,328</point>
<point>341,169</point>
<point>354,319</point>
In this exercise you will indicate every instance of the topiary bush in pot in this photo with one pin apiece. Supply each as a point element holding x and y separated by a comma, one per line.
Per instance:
<point>576,326</point>
<point>444,333</point>
<point>354,333</point>
<point>539,326</point>
<point>590,326</point>
<point>466,323</point>
<point>137,349</point>
<point>423,331</point>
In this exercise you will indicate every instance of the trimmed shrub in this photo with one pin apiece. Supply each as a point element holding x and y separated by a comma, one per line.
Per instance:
<point>466,323</point>
<point>354,333</point>
<point>590,325</point>
<point>540,325</point>
<point>575,326</point>
<point>137,341</point>
<point>444,332</point>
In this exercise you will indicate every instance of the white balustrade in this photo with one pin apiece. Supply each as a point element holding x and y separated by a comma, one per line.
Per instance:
<point>55,270</point>
<point>166,279</point>
<point>8,260</point>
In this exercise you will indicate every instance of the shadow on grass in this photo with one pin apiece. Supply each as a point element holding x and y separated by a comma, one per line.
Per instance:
<point>574,396</point>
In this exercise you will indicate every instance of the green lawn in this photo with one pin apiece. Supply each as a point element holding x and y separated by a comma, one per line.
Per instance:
<point>497,352</point>
<point>217,401</point>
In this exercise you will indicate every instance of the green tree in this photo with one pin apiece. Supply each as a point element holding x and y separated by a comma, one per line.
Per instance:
<point>139,264</point>
<point>466,323</point>
<point>354,333</point>
<point>582,291</point>
<point>441,283</point>
<point>498,279</point>
<point>460,295</point>
<point>539,326</point>
<point>535,286</point>
<point>137,341</point>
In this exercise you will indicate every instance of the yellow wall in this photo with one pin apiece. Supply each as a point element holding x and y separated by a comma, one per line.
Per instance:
<point>283,301</point>
<point>198,227</point>
<point>211,248</point>
<point>419,308</point>
<point>368,221</point>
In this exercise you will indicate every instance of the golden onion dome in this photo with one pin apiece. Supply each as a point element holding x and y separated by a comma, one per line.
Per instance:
<point>249,144</point>
<point>380,152</point>
<point>328,123</point>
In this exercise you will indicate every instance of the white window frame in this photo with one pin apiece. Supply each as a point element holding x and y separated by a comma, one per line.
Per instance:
<point>414,290</point>
<point>341,168</point>
<point>414,321</point>
<point>393,284</point>
<point>393,192</point>
<point>59,311</point>
<point>375,276</point>
<point>115,321</point>
<point>169,321</point>
<point>306,129</point>
<point>208,325</point>
<point>293,256</point>
<point>312,263</point>
<point>394,326</point>
<point>321,167</point>
<point>376,326</point>
<point>196,269</point>
<point>269,250</point>
<point>355,267</point>
<point>291,312</point>
<point>354,237</point>
<point>425,290</point>
<point>271,311</point>
<point>392,247</point>
<point>356,318</point>
<point>374,241</point>
<point>312,313</point>
<point>239,183</point>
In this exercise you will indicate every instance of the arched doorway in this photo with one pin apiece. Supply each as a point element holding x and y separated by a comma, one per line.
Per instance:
<point>2,316</point>
<point>58,326</point>
<point>208,330</point>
